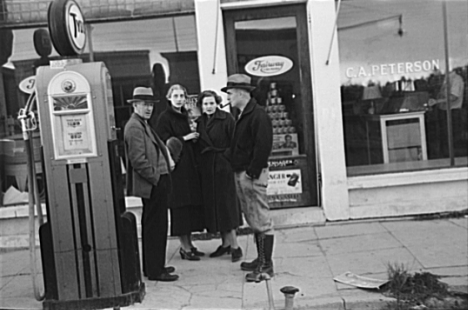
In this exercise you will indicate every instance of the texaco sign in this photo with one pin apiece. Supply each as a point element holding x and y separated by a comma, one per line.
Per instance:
<point>67,27</point>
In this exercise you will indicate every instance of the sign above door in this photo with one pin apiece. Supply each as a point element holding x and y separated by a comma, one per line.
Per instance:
<point>269,66</point>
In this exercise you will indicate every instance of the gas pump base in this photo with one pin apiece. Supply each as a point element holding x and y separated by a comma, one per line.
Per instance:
<point>123,300</point>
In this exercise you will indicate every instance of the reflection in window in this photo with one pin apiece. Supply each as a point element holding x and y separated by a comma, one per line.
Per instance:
<point>393,88</point>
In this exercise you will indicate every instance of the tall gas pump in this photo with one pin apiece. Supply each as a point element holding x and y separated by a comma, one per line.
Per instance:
<point>89,244</point>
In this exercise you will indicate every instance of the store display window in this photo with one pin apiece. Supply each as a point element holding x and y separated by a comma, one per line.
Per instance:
<point>394,68</point>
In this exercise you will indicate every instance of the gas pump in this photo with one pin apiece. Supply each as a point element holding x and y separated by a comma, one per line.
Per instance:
<point>89,244</point>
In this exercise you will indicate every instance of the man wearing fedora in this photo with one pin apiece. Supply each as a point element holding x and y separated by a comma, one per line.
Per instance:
<point>251,146</point>
<point>148,176</point>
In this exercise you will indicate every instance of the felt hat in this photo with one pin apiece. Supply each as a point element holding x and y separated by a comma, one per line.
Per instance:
<point>142,93</point>
<point>175,147</point>
<point>240,81</point>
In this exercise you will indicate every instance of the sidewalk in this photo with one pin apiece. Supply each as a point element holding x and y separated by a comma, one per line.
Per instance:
<point>305,257</point>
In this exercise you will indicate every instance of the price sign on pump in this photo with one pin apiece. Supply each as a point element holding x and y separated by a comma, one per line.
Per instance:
<point>72,118</point>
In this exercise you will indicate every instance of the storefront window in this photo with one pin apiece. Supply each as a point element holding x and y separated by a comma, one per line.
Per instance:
<point>393,67</point>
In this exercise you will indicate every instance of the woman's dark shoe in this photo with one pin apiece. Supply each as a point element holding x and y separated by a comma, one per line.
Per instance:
<point>188,255</point>
<point>164,277</point>
<point>221,251</point>
<point>236,254</point>
<point>196,252</point>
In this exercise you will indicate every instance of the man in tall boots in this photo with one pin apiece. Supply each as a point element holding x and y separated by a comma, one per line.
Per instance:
<point>250,148</point>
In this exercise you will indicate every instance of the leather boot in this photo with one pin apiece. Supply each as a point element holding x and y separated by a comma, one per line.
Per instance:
<point>268,266</point>
<point>251,266</point>
<point>265,263</point>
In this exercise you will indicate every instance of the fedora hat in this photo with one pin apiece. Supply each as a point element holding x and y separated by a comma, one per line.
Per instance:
<point>142,93</point>
<point>240,81</point>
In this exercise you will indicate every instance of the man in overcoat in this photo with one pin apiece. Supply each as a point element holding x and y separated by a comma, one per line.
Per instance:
<point>250,148</point>
<point>148,176</point>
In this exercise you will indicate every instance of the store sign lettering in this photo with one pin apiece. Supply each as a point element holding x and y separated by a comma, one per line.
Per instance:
<point>282,163</point>
<point>269,66</point>
<point>76,26</point>
<point>28,85</point>
<point>284,198</point>
<point>393,68</point>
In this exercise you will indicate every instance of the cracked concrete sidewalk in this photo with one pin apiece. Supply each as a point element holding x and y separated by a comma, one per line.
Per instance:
<point>305,257</point>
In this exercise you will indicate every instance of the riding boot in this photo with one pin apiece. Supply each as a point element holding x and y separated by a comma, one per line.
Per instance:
<point>265,263</point>
<point>268,243</point>
<point>251,266</point>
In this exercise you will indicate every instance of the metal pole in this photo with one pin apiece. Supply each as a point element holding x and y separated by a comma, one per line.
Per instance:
<point>89,30</point>
<point>271,301</point>
<point>333,33</point>
<point>447,84</point>
<point>216,38</point>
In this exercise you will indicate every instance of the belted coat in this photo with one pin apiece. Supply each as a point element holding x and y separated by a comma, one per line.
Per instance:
<point>222,212</point>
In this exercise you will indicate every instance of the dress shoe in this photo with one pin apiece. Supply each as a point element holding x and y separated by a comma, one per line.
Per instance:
<point>164,277</point>
<point>249,266</point>
<point>236,254</point>
<point>221,251</point>
<point>257,274</point>
<point>188,255</point>
<point>195,251</point>
<point>168,269</point>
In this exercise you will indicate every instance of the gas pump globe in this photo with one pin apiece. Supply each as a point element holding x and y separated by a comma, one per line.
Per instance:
<point>89,244</point>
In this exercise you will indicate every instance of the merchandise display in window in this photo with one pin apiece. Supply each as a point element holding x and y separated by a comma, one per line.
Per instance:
<point>285,141</point>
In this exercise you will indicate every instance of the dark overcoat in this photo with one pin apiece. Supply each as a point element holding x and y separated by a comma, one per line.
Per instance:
<point>185,177</point>
<point>221,210</point>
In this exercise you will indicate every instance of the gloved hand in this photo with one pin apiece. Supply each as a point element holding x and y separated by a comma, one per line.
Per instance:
<point>175,148</point>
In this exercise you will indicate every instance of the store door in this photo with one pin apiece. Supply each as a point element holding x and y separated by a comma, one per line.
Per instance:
<point>270,44</point>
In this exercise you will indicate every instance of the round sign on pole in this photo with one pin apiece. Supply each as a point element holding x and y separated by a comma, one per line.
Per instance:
<point>28,84</point>
<point>67,27</point>
<point>42,42</point>
<point>268,66</point>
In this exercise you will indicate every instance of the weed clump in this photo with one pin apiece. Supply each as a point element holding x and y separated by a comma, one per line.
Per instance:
<point>419,291</point>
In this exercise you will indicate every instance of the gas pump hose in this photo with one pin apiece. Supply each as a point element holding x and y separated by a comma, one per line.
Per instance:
<point>28,124</point>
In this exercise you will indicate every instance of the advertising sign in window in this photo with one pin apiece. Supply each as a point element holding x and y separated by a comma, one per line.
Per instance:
<point>284,186</point>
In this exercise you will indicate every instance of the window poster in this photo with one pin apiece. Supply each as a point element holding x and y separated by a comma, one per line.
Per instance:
<point>193,111</point>
<point>284,185</point>
<point>285,144</point>
<point>191,106</point>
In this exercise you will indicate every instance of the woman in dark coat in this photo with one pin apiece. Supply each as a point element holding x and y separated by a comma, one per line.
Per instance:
<point>222,213</point>
<point>186,204</point>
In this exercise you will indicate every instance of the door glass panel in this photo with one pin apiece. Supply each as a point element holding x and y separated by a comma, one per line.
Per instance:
<point>279,94</point>
<point>267,49</point>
